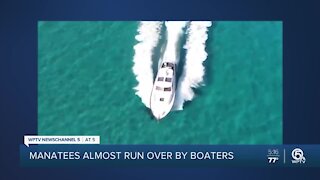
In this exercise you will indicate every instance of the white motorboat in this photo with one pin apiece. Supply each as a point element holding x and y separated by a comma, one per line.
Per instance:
<point>163,91</point>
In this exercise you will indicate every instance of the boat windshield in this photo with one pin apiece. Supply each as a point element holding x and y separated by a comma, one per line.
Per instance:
<point>167,64</point>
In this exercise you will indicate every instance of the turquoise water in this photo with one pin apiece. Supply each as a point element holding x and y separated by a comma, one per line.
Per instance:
<point>85,86</point>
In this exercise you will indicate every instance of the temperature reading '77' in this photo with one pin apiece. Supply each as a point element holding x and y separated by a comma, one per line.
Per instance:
<point>273,159</point>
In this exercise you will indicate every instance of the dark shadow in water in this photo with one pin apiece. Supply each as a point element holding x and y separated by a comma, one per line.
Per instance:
<point>149,113</point>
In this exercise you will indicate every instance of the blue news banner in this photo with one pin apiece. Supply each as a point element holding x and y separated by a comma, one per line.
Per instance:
<point>170,155</point>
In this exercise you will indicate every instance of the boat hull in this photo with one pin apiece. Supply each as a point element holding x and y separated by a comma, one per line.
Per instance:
<point>163,91</point>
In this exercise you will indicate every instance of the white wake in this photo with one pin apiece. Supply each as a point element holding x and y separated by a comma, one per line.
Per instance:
<point>174,33</point>
<point>193,70</point>
<point>148,38</point>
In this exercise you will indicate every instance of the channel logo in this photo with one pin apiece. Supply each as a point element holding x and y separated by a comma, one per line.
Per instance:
<point>297,156</point>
